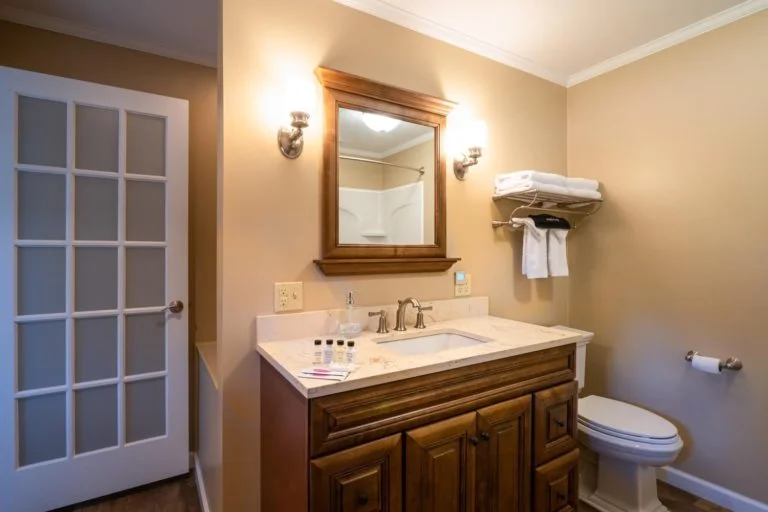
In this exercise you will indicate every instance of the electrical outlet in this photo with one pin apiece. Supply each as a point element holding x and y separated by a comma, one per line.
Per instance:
<point>462,284</point>
<point>289,297</point>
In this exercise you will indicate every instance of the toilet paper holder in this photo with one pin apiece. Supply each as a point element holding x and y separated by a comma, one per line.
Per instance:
<point>732,363</point>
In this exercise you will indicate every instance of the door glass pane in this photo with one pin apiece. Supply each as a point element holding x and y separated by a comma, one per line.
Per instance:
<point>144,277</point>
<point>144,409</point>
<point>145,211</point>
<point>41,358</point>
<point>95,209</point>
<point>42,132</point>
<point>145,147</point>
<point>144,343</point>
<point>95,348</point>
<point>95,418</point>
<point>96,138</point>
<point>95,278</point>
<point>42,428</point>
<point>42,206</point>
<point>41,280</point>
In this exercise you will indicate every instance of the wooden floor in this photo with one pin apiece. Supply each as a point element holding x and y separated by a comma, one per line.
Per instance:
<point>675,500</point>
<point>175,495</point>
<point>180,495</point>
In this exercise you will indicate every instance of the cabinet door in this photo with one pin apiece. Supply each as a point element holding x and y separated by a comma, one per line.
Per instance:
<point>504,456</point>
<point>557,485</point>
<point>440,466</point>
<point>366,478</point>
<point>556,422</point>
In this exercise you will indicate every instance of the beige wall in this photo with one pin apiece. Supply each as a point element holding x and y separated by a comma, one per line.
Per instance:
<point>270,227</point>
<point>356,174</point>
<point>422,155</point>
<point>676,258</point>
<point>56,54</point>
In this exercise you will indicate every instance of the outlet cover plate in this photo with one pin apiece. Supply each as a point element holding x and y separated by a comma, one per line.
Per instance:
<point>289,297</point>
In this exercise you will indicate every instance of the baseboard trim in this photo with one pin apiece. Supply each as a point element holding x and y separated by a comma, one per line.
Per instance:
<point>709,491</point>
<point>201,486</point>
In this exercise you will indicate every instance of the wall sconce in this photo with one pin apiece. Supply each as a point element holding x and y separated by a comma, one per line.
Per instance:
<point>476,138</point>
<point>291,140</point>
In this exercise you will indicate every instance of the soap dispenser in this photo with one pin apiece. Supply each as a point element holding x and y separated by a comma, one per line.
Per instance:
<point>350,328</point>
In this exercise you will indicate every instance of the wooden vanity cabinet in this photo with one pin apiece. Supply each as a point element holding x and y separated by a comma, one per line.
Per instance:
<point>492,437</point>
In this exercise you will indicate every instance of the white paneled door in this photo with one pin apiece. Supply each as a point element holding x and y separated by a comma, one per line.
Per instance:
<point>93,289</point>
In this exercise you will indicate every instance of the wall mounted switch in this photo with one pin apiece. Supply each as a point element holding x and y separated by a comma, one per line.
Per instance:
<point>289,297</point>
<point>462,284</point>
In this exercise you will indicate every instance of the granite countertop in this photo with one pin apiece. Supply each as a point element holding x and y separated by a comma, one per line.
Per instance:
<point>377,364</point>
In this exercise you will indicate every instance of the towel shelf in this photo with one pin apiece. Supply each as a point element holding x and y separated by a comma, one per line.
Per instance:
<point>548,202</point>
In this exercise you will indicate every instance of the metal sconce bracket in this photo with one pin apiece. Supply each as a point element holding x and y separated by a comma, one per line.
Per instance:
<point>461,167</point>
<point>291,140</point>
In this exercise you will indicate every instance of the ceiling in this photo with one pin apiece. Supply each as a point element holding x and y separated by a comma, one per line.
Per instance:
<point>355,138</point>
<point>563,41</point>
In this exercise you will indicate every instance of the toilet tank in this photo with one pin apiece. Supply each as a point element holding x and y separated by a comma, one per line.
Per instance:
<point>581,352</point>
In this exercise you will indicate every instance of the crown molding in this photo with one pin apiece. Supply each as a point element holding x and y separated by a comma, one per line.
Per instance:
<point>55,24</point>
<point>713,22</point>
<point>447,35</point>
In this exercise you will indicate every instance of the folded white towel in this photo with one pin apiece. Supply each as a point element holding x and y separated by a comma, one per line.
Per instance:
<point>534,249</point>
<point>582,183</point>
<point>582,192</point>
<point>526,186</point>
<point>557,255</point>
<point>502,180</point>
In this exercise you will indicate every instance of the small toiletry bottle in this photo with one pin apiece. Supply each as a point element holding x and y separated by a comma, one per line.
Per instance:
<point>340,352</point>
<point>351,353</point>
<point>317,352</point>
<point>328,352</point>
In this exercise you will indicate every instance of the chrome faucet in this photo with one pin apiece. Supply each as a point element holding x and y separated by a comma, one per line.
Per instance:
<point>401,305</point>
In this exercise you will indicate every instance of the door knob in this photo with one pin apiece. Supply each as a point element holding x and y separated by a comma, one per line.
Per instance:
<point>176,306</point>
<point>560,423</point>
<point>362,499</point>
<point>474,440</point>
<point>485,435</point>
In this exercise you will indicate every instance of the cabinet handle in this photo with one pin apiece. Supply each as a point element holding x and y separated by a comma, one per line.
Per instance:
<point>560,496</point>
<point>362,499</point>
<point>560,423</point>
<point>474,440</point>
<point>485,435</point>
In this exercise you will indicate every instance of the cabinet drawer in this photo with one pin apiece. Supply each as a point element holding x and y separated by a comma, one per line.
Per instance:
<point>555,431</point>
<point>347,419</point>
<point>367,478</point>
<point>557,485</point>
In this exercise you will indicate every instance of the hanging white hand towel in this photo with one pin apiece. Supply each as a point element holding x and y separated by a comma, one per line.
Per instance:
<point>557,254</point>
<point>534,249</point>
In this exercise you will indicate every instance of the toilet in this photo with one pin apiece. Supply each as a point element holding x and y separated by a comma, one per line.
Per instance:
<point>625,445</point>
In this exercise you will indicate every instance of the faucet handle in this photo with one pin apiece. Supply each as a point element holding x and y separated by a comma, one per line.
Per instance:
<point>420,317</point>
<point>382,321</point>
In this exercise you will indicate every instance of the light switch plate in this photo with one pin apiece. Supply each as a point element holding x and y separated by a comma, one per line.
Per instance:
<point>462,284</point>
<point>289,297</point>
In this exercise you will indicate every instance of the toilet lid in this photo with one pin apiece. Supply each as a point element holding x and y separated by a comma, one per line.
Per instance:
<point>625,420</point>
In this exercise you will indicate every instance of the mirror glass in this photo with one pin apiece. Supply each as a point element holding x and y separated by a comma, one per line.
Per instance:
<point>386,180</point>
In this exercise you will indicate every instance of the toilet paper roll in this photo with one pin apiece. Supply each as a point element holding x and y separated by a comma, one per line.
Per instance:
<point>706,364</point>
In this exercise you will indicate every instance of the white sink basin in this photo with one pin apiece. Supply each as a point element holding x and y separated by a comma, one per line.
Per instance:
<point>430,344</point>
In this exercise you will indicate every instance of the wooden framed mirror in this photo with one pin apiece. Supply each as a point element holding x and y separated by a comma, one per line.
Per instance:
<point>384,171</point>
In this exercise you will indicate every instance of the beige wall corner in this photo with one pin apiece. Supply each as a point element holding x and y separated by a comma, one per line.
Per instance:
<point>676,258</point>
<point>270,225</point>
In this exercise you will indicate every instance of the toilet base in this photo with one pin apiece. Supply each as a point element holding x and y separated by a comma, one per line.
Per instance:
<point>623,486</point>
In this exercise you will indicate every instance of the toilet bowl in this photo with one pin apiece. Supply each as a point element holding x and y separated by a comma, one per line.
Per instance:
<point>630,443</point>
